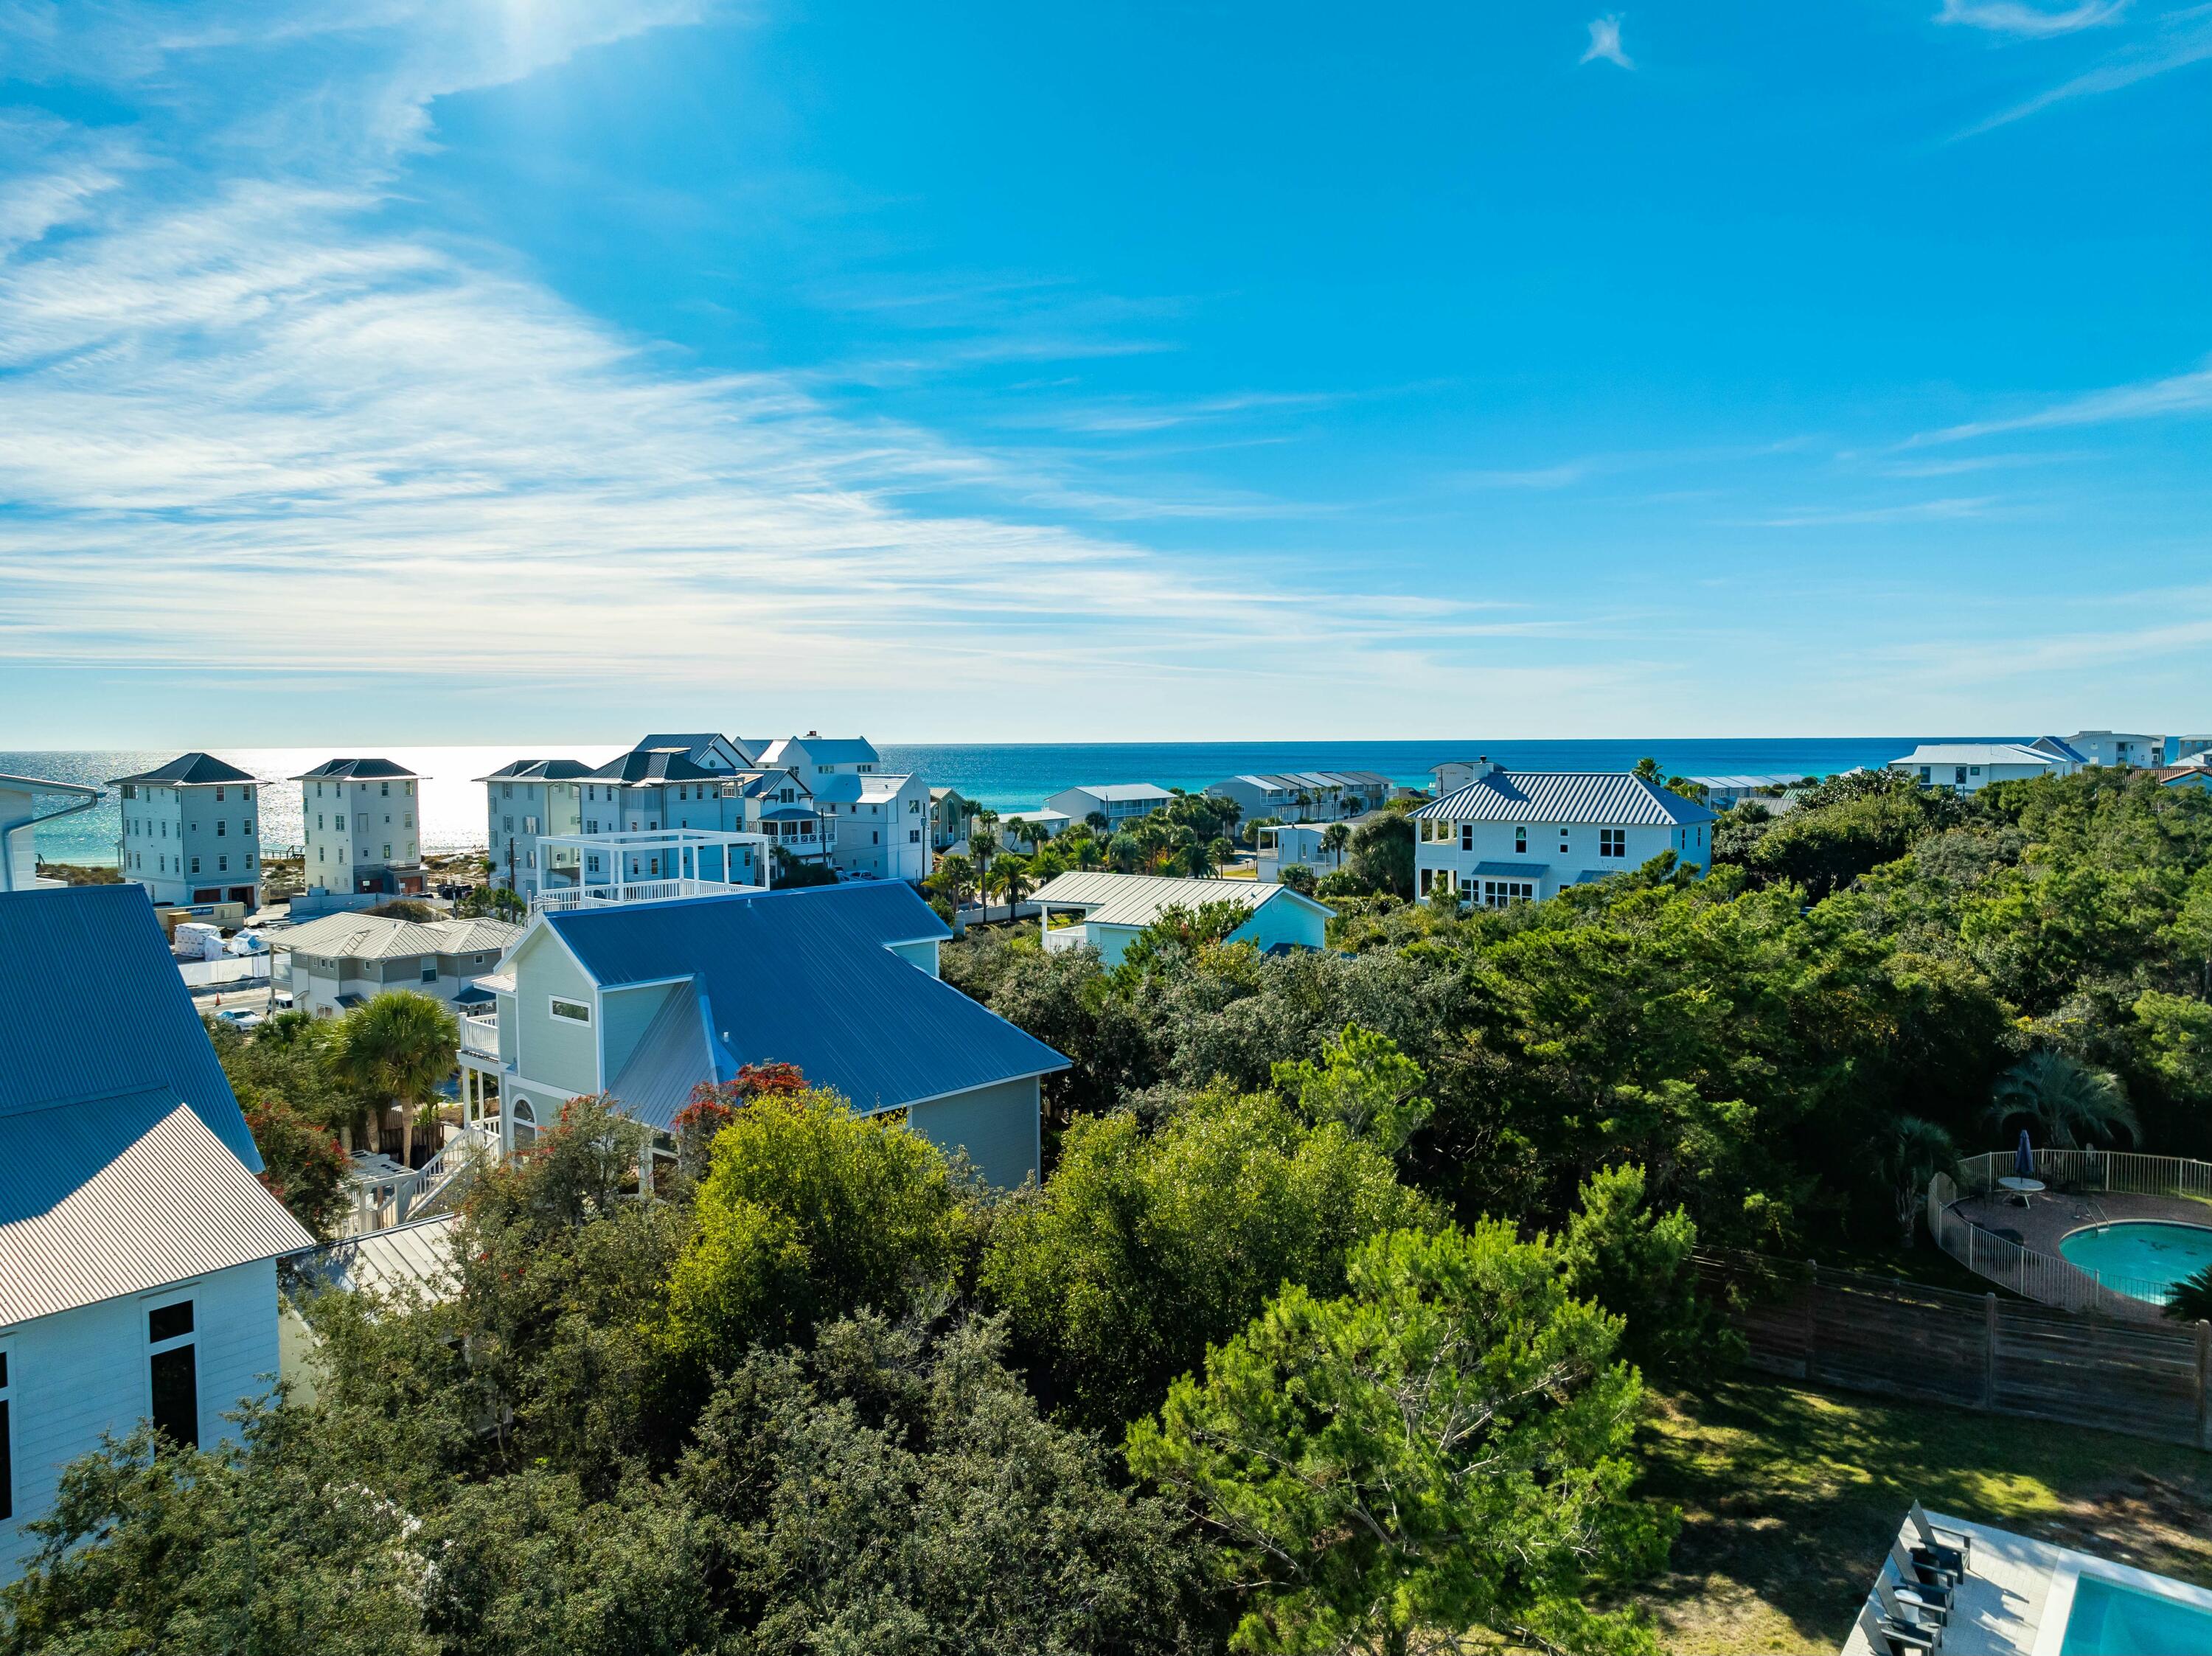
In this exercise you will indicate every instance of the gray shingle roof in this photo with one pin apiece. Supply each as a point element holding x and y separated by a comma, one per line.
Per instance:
<point>1607,798</point>
<point>188,770</point>
<point>106,1197</point>
<point>539,770</point>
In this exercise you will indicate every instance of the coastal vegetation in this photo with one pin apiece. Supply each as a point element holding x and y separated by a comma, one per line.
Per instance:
<point>824,1392</point>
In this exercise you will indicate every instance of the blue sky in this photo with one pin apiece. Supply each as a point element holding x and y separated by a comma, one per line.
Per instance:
<point>1048,373</point>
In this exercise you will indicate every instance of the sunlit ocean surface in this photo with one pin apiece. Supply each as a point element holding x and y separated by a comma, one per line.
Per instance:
<point>1001,776</point>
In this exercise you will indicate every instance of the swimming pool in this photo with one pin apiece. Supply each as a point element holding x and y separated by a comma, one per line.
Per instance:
<point>2140,1258</point>
<point>2107,1619</point>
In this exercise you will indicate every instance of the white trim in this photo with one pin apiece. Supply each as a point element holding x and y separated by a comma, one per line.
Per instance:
<point>2058,1599</point>
<point>962,1092</point>
<point>590,1020</point>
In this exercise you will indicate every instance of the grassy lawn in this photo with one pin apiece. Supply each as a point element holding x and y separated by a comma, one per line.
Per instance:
<point>1788,1499</point>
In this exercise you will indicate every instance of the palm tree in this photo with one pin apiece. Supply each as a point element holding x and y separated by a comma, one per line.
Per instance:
<point>1089,853</point>
<point>1032,832</point>
<point>1013,881</point>
<point>1101,823</point>
<point>2066,1101</point>
<point>1918,1151</point>
<point>1334,839</point>
<point>983,846</point>
<point>954,875</point>
<point>395,1050</point>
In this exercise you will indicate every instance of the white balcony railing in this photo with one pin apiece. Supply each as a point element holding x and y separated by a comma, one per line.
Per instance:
<point>480,1037</point>
<point>629,891</point>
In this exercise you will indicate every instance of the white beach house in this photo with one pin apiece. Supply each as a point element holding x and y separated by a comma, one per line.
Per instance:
<point>1969,767</point>
<point>1305,795</point>
<point>1518,836</point>
<point>1119,802</point>
<point>138,1250</point>
<point>192,832</point>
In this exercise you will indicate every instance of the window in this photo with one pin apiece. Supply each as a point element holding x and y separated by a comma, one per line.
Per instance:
<point>1961,774</point>
<point>218,794</point>
<point>221,828</point>
<point>1520,838</point>
<point>173,1371</point>
<point>1924,775</point>
<point>223,864</point>
<point>1498,893</point>
<point>388,853</point>
<point>506,790</point>
<point>410,790</point>
<point>384,789</point>
<point>1613,842</point>
<point>321,852</point>
<point>429,971</point>
<point>129,793</point>
<point>506,824</point>
<point>913,836</point>
<point>1467,836</point>
<point>196,865</point>
<point>575,1011</point>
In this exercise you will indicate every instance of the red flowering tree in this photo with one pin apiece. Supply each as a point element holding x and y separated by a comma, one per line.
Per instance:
<point>715,1104</point>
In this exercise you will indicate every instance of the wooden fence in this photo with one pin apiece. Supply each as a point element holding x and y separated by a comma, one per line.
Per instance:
<point>1862,1333</point>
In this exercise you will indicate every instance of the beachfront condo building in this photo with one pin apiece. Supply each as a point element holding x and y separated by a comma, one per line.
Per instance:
<point>360,823</point>
<point>192,832</point>
<point>1518,836</point>
<point>524,798</point>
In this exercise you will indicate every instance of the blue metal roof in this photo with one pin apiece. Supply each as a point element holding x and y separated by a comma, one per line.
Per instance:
<point>91,1006</point>
<point>1512,871</point>
<point>806,976</point>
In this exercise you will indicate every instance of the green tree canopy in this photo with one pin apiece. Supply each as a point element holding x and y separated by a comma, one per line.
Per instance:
<point>1438,1451</point>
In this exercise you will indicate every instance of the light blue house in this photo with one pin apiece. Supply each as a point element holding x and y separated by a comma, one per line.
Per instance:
<point>643,1001</point>
<point>138,1250</point>
<point>1113,908</point>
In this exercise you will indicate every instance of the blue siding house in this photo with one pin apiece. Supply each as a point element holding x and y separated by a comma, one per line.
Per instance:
<point>644,1001</point>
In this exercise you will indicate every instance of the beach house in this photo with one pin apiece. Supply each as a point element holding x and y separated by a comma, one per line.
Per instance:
<point>644,1001</point>
<point>360,821</point>
<point>523,799</point>
<point>949,812</point>
<point>21,813</point>
<point>1110,909</point>
<point>1518,836</point>
<point>1119,802</point>
<point>1969,767</point>
<point>878,824</point>
<point>2119,748</point>
<point>1304,796</point>
<point>1298,845</point>
<point>192,832</point>
<point>137,1249</point>
<point>330,965</point>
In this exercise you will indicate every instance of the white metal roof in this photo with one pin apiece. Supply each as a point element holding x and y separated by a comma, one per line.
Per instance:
<point>1110,790</point>
<point>114,1196</point>
<point>1610,798</point>
<point>418,1255</point>
<point>1976,753</point>
<point>1139,900</point>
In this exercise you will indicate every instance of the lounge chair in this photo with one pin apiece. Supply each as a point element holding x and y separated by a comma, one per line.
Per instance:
<point>1913,1615</point>
<point>1946,1550</point>
<point>1887,1638</point>
<point>1920,1572</point>
<point>1923,1602</point>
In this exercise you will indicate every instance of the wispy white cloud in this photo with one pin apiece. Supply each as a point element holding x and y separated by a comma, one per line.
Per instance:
<point>2010,18</point>
<point>2178,39</point>
<point>2176,394</point>
<point>1910,512</point>
<point>1605,42</point>
<point>235,403</point>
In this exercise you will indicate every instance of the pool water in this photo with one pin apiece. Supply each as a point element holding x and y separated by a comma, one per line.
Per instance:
<point>2109,1620</point>
<point>2150,1256</point>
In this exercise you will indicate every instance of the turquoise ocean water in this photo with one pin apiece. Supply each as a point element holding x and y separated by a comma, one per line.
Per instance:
<point>1001,776</point>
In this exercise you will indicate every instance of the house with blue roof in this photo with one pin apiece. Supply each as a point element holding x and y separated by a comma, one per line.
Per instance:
<point>1506,837</point>
<point>137,1249</point>
<point>644,1001</point>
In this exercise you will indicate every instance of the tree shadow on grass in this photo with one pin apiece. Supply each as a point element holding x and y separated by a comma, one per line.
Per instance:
<point>1790,1498</point>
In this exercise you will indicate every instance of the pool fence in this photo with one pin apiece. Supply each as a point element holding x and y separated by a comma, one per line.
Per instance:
<point>1825,1326</point>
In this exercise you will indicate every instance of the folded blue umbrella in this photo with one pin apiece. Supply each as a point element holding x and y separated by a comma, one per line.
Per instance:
<point>2023,1159</point>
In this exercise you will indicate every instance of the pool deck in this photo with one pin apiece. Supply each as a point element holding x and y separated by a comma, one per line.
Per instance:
<point>2016,1601</point>
<point>2051,1216</point>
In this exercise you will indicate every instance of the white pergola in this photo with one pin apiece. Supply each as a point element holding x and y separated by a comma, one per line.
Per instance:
<point>655,865</point>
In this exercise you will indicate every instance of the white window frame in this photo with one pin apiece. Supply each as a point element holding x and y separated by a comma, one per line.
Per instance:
<point>555,1003</point>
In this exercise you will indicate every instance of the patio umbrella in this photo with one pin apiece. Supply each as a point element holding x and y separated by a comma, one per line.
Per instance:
<point>2023,1159</point>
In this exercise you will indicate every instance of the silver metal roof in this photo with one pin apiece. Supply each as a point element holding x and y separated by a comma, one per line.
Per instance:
<point>1607,798</point>
<point>1140,899</point>
<point>116,1196</point>
<point>418,1255</point>
<point>386,937</point>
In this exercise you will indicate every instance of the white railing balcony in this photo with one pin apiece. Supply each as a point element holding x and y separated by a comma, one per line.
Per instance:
<point>480,1037</point>
<point>613,893</point>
